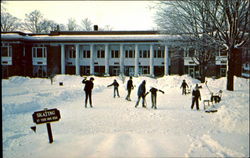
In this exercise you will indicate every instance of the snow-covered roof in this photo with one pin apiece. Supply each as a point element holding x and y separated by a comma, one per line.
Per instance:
<point>89,37</point>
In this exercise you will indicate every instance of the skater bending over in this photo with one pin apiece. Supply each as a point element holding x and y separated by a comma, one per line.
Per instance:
<point>88,90</point>
<point>116,85</point>
<point>141,94</point>
<point>196,95</point>
<point>154,96</point>
<point>129,88</point>
<point>184,86</point>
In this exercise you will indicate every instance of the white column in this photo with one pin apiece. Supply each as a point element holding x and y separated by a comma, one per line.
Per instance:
<point>106,60</point>
<point>62,59</point>
<point>91,59</point>
<point>77,61</point>
<point>136,60</point>
<point>166,61</point>
<point>151,61</point>
<point>121,59</point>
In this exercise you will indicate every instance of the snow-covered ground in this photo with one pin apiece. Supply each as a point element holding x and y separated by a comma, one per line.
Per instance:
<point>115,128</point>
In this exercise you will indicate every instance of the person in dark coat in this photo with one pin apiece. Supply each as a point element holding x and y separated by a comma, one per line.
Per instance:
<point>141,94</point>
<point>184,85</point>
<point>116,85</point>
<point>196,95</point>
<point>88,90</point>
<point>129,88</point>
<point>154,96</point>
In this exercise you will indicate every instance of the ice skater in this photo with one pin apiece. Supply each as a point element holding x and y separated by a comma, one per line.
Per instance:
<point>154,96</point>
<point>88,90</point>
<point>116,85</point>
<point>130,87</point>
<point>196,95</point>
<point>141,94</point>
<point>184,85</point>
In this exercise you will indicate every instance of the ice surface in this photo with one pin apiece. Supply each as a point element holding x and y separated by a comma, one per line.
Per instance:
<point>115,128</point>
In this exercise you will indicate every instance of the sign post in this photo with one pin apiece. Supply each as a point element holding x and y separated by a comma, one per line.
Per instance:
<point>47,116</point>
<point>49,133</point>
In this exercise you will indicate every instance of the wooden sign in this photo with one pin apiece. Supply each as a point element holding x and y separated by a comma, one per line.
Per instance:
<point>46,116</point>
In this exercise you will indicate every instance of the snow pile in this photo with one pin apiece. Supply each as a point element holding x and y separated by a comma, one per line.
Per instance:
<point>115,128</point>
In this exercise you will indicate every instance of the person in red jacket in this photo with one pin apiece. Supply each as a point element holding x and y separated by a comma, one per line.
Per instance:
<point>88,90</point>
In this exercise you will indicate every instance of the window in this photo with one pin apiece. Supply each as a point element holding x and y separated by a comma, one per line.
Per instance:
<point>40,71</point>
<point>39,52</point>
<point>72,53</point>
<point>158,54</point>
<point>223,53</point>
<point>100,54</point>
<point>6,51</point>
<point>114,53</point>
<point>129,54</point>
<point>191,52</point>
<point>86,53</point>
<point>144,69</point>
<point>144,54</point>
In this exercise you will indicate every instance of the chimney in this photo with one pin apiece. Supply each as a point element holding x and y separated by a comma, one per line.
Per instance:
<point>95,27</point>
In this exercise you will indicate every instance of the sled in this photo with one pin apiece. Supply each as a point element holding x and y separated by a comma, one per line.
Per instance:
<point>211,110</point>
<point>188,90</point>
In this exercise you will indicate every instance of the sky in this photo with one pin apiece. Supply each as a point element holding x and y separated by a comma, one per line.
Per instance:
<point>120,15</point>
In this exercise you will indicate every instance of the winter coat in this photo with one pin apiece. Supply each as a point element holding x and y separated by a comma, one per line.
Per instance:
<point>115,84</point>
<point>196,94</point>
<point>184,85</point>
<point>129,84</point>
<point>141,89</point>
<point>153,91</point>
<point>88,85</point>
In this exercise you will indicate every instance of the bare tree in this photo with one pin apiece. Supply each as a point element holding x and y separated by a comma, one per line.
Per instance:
<point>62,27</point>
<point>186,19</point>
<point>106,28</point>
<point>208,23</point>
<point>36,23</point>
<point>236,33</point>
<point>33,21</point>
<point>72,25</point>
<point>9,22</point>
<point>47,26</point>
<point>86,25</point>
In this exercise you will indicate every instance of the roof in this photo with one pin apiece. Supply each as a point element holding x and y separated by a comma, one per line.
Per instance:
<point>88,36</point>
